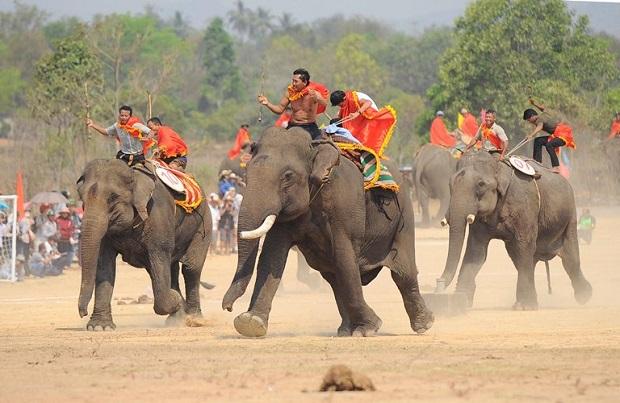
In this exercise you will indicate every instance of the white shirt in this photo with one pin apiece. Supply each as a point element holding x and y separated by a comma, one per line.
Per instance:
<point>363,97</point>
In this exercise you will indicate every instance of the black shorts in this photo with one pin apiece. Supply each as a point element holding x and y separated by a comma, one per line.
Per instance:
<point>311,128</point>
<point>130,159</point>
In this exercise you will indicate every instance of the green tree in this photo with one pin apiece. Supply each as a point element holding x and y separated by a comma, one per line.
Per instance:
<point>222,81</point>
<point>360,70</point>
<point>11,83</point>
<point>58,95</point>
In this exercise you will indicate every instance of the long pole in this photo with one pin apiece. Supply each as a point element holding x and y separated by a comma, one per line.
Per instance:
<point>149,99</point>
<point>262,84</point>
<point>87,107</point>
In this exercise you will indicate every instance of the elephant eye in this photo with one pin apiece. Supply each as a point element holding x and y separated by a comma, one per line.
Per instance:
<point>481,183</point>
<point>288,175</point>
<point>288,178</point>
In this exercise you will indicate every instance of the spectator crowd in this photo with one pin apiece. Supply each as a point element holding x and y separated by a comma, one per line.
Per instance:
<point>224,208</point>
<point>46,241</point>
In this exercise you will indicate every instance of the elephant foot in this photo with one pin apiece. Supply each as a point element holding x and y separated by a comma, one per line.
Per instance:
<point>367,330</point>
<point>168,304</point>
<point>100,324</point>
<point>525,306</point>
<point>423,321</point>
<point>583,293</point>
<point>344,330</point>
<point>250,325</point>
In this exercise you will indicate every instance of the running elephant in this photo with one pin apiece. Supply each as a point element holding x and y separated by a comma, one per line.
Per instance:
<point>305,194</point>
<point>129,212</point>
<point>434,165</point>
<point>535,218</point>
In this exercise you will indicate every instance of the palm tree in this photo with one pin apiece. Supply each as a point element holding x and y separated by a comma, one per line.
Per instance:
<point>239,19</point>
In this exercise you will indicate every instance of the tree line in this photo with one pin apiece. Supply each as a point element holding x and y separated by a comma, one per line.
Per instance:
<point>204,81</point>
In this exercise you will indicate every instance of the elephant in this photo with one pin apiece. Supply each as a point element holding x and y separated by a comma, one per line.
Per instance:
<point>434,165</point>
<point>303,193</point>
<point>233,165</point>
<point>534,216</point>
<point>128,211</point>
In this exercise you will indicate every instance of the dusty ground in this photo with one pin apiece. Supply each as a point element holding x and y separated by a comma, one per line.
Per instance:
<point>563,352</point>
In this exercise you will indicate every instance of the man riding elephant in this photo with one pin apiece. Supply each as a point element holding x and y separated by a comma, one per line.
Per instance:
<point>346,233</point>
<point>306,99</point>
<point>534,216</point>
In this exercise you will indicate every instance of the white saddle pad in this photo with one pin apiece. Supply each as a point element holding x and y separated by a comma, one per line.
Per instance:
<point>522,166</point>
<point>170,179</point>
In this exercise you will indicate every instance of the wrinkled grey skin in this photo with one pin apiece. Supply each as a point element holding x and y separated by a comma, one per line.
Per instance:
<point>345,233</point>
<point>434,165</point>
<point>112,193</point>
<point>506,206</point>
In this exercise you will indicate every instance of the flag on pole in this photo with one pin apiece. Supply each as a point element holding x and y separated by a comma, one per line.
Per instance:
<point>19,185</point>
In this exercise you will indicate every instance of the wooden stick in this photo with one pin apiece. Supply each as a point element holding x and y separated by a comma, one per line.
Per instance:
<point>149,99</point>
<point>87,107</point>
<point>262,84</point>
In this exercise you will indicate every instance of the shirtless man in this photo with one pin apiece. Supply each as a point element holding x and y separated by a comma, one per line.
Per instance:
<point>304,98</point>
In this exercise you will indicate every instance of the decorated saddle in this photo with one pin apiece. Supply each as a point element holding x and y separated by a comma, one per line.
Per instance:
<point>189,195</point>
<point>376,174</point>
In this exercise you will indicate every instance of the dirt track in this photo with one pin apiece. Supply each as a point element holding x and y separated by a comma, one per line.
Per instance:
<point>563,352</point>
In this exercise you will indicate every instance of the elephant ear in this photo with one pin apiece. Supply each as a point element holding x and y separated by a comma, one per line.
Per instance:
<point>143,187</point>
<point>503,175</point>
<point>326,156</point>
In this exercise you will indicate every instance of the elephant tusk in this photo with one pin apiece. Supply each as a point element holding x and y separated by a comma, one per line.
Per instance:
<point>260,231</point>
<point>443,222</point>
<point>471,218</point>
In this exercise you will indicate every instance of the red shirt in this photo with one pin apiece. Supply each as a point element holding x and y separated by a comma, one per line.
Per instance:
<point>170,143</point>
<point>65,228</point>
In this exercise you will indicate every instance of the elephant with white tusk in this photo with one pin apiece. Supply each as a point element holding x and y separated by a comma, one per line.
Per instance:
<point>346,233</point>
<point>536,219</point>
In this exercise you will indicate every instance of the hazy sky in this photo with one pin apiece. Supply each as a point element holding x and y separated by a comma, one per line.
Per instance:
<point>407,15</point>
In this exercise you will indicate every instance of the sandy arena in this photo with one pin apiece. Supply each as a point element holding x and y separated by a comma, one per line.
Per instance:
<point>562,352</point>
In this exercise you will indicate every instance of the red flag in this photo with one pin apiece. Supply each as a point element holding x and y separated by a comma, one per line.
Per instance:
<point>243,137</point>
<point>373,128</point>
<point>440,135</point>
<point>20,195</point>
<point>283,120</point>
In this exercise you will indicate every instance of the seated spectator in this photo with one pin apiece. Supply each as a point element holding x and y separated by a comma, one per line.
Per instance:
<point>37,262</point>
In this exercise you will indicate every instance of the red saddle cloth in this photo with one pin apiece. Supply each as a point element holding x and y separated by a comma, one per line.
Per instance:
<point>193,193</point>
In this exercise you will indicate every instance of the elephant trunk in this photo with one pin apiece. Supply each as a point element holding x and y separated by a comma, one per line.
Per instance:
<point>458,220</point>
<point>93,231</point>
<point>255,220</point>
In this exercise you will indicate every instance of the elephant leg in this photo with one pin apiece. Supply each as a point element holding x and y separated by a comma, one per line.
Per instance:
<point>444,202</point>
<point>345,326</point>
<point>475,256</point>
<point>174,277</point>
<point>364,321</point>
<point>522,255</point>
<point>420,317</point>
<point>405,275</point>
<point>191,276</point>
<point>569,253</point>
<point>101,318</point>
<point>255,321</point>
<point>166,300</point>
<point>193,263</point>
<point>423,200</point>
